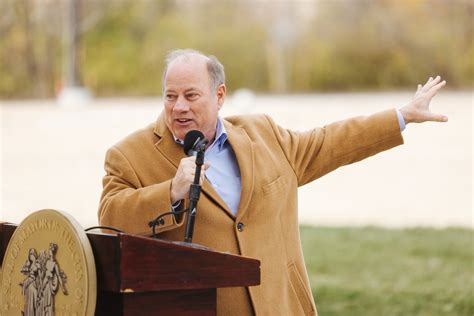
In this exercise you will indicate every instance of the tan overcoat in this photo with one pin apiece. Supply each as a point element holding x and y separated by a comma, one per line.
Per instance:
<point>273,163</point>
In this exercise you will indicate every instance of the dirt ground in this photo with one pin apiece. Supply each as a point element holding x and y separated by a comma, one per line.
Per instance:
<point>52,157</point>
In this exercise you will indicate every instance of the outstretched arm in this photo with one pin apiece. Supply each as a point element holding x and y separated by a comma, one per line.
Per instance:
<point>418,110</point>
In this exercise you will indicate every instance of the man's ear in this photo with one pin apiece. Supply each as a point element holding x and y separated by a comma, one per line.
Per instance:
<point>220,93</point>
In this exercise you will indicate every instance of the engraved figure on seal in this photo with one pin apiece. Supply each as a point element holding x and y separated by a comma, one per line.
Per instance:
<point>30,286</point>
<point>44,278</point>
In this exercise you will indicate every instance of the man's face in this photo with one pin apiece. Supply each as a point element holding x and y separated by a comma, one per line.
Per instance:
<point>189,102</point>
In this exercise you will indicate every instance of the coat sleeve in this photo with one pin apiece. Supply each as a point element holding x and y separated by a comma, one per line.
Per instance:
<point>128,206</point>
<point>319,151</point>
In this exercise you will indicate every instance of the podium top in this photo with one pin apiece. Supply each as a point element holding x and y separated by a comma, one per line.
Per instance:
<point>130,263</point>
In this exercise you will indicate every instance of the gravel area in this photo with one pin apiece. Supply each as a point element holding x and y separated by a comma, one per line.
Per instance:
<point>52,157</point>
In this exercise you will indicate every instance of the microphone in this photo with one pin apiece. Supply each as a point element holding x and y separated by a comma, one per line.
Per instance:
<point>193,142</point>
<point>194,145</point>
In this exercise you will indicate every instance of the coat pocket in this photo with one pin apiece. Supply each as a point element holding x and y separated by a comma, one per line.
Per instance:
<point>300,290</point>
<point>275,186</point>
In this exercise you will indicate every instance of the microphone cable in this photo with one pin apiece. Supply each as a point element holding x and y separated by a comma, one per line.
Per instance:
<point>156,222</point>
<point>160,221</point>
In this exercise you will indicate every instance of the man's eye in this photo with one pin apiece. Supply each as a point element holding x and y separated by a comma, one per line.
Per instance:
<point>192,95</point>
<point>170,96</point>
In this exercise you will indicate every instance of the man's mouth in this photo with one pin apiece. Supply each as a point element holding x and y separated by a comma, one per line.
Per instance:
<point>183,120</point>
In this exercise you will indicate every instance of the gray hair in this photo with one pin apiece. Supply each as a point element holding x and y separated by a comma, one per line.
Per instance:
<point>214,66</point>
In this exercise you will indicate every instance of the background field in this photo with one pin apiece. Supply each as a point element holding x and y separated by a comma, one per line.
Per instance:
<point>52,157</point>
<point>371,271</point>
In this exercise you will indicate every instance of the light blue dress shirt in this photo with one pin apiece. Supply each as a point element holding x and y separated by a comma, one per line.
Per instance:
<point>401,121</point>
<point>224,172</point>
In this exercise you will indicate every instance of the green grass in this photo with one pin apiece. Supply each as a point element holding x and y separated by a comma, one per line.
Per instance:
<point>374,271</point>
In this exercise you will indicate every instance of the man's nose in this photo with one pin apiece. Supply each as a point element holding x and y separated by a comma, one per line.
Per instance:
<point>181,105</point>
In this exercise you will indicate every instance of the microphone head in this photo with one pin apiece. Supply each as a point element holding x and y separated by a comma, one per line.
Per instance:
<point>190,140</point>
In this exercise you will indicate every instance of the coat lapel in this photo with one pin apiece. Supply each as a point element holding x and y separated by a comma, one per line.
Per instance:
<point>166,144</point>
<point>244,152</point>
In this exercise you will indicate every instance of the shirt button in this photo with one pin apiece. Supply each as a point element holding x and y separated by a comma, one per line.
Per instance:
<point>240,227</point>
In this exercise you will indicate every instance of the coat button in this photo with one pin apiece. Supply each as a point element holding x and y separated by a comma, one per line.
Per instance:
<point>240,227</point>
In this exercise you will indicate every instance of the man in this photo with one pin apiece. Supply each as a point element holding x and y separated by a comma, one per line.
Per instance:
<point>253,170</point>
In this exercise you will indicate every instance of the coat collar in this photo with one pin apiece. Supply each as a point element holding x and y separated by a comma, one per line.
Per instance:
<point>166,144</point>
<point>242,147</point>
<point>244,153</point>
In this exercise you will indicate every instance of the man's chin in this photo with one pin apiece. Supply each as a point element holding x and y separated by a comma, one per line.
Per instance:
<point>181,132</point>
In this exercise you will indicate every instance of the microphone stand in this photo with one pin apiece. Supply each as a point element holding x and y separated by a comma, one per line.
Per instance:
<point>194,192</point>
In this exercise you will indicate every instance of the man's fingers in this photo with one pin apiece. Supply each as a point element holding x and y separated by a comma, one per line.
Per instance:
<point>205,166</point>
<point>425,87</point>
<point>435,81</point>
<point>436,88</point>
<point>438,118</point>
<point>431,83</point>
<point>440,85</point>
<point>203,176</point>
<point>427,116</point>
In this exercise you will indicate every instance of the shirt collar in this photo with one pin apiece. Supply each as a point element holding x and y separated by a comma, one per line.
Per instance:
<point>219,140</point>
<point>221,135</point>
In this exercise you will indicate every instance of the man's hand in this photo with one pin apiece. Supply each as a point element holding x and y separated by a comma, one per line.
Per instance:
<point>418,110</point>
<point>184,178</point>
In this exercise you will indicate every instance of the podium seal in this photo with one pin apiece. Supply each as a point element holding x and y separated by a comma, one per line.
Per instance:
<point>48,268</point>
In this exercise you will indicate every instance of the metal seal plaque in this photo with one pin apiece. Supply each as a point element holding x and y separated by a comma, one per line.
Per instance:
<point>48,268</point>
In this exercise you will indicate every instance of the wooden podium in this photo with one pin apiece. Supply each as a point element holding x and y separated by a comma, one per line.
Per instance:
<point>144,276</point>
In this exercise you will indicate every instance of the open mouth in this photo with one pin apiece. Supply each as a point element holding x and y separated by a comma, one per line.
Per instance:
<point>183,120</point>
